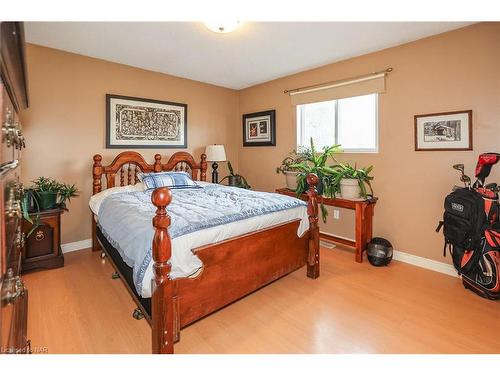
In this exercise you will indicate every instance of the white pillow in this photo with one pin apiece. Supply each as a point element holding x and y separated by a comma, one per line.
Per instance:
<point>96,199</point>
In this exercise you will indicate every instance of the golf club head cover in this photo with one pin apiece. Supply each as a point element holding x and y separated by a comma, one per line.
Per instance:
<point>484,164</point>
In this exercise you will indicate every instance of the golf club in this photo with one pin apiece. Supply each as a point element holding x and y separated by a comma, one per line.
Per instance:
<point>463,177</point>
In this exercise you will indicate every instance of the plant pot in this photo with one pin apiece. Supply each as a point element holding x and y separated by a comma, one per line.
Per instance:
<point>291,180</point>
<point>234,181</point>
<point>28,200</point>
<point>46,199</point>
<point>349,188</point>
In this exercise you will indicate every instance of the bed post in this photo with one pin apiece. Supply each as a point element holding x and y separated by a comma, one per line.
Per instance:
<point>312,212</point>
<point>162,317</point>
<point>203,174</point>
<point>96,188</point>
<point>157,164</point>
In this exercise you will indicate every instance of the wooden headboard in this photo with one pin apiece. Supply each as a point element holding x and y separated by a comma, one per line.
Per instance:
<point>128,164</point>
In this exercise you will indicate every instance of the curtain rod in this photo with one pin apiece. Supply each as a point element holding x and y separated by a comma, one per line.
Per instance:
<point>322,86</point>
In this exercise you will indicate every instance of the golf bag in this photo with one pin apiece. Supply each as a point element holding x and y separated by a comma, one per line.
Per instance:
<point>471,228</point>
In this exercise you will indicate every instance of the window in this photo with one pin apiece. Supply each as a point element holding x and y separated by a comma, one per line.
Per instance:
<point>350,122</point>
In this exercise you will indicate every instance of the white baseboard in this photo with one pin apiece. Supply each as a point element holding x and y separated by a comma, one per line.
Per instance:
<point>429,264</point>
<point>415,260</point>
<point>336,235</point>
<point>78,245</point>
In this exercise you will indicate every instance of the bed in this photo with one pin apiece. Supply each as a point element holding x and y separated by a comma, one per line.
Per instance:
<point>199,261</point>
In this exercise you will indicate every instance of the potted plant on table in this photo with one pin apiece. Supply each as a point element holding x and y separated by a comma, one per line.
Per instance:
<point>45,193</point>
<point>50,193</point>
<point>350,181</point>
<point>288,170</point>
<point>315,162</point>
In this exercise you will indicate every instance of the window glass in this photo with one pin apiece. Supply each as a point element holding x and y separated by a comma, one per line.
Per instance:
<point>350,122</point>
<point>357,123</point>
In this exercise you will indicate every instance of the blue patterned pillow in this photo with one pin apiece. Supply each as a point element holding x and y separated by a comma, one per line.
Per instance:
<point>172,180</point>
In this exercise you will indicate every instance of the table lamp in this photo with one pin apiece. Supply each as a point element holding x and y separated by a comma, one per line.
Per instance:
<point>215,153</point>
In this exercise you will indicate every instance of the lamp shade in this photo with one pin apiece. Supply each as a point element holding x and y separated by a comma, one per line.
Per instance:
<point>215,153</point>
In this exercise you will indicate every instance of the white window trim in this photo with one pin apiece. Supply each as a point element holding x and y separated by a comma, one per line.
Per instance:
<point>300,130</point>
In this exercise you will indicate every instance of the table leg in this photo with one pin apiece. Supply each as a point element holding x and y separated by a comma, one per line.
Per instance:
<point>369,222</point>
<point>359,233</point>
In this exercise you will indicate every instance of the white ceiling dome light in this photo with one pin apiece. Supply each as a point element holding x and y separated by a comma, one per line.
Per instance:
<point>222,27</point>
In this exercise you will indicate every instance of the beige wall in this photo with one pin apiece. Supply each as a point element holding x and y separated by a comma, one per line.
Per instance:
<point>65,124</point>
<point>452,71</point>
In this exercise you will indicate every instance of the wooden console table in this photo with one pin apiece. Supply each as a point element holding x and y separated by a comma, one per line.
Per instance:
<point>364,220</point>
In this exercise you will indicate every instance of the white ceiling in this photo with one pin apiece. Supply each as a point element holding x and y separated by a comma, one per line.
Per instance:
<point>256,52</point>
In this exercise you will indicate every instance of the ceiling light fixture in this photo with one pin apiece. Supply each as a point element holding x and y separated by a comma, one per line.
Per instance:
<point>222,27</point>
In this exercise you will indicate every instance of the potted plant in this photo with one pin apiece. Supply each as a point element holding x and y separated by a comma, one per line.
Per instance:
<point>29,204</point>
<point>46,193</point>
<point>49,193</point>
<point>234,179</point>
<point>314,162</point>
<point>351,181</point>
<point>290,172</point>
<point>65,193</point>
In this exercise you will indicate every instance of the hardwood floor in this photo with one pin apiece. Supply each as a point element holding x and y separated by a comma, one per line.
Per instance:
<point>351,308</point>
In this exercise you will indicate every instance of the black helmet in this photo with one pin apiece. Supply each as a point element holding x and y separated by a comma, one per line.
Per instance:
<point>379,252</point>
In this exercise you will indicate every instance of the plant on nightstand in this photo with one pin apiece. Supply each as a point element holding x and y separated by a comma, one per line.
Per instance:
<point>49,193</point>
<point>46,193</point>
<point>234,179</point>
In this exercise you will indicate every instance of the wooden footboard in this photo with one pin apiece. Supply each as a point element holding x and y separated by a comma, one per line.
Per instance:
<point>232,269</point>
<point>237,267</point>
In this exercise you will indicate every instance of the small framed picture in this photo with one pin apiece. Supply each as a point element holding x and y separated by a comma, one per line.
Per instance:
<point>259,129</point>
<point>444,131</point>
<point>145,123</point>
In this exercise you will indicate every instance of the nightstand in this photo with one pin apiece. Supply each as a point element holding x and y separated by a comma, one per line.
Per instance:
<point>42,249</point>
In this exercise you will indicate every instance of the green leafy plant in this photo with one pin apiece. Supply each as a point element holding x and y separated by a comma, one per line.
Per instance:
<point>315,162</point>
<point>329,175</point>
<point>64,192</point>
<point>32,198</point>
<point>294,157</point>
<point>235,179</point>
<point>345,170</point>
<point>27,200</point>
<point>45,184</point>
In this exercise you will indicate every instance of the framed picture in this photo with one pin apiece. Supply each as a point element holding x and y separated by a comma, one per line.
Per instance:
<point>259,129</point>
<point>145,123</point>
<point>444,131</point>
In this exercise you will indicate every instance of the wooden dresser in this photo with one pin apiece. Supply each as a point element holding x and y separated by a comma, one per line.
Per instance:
<point>13,98</point>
